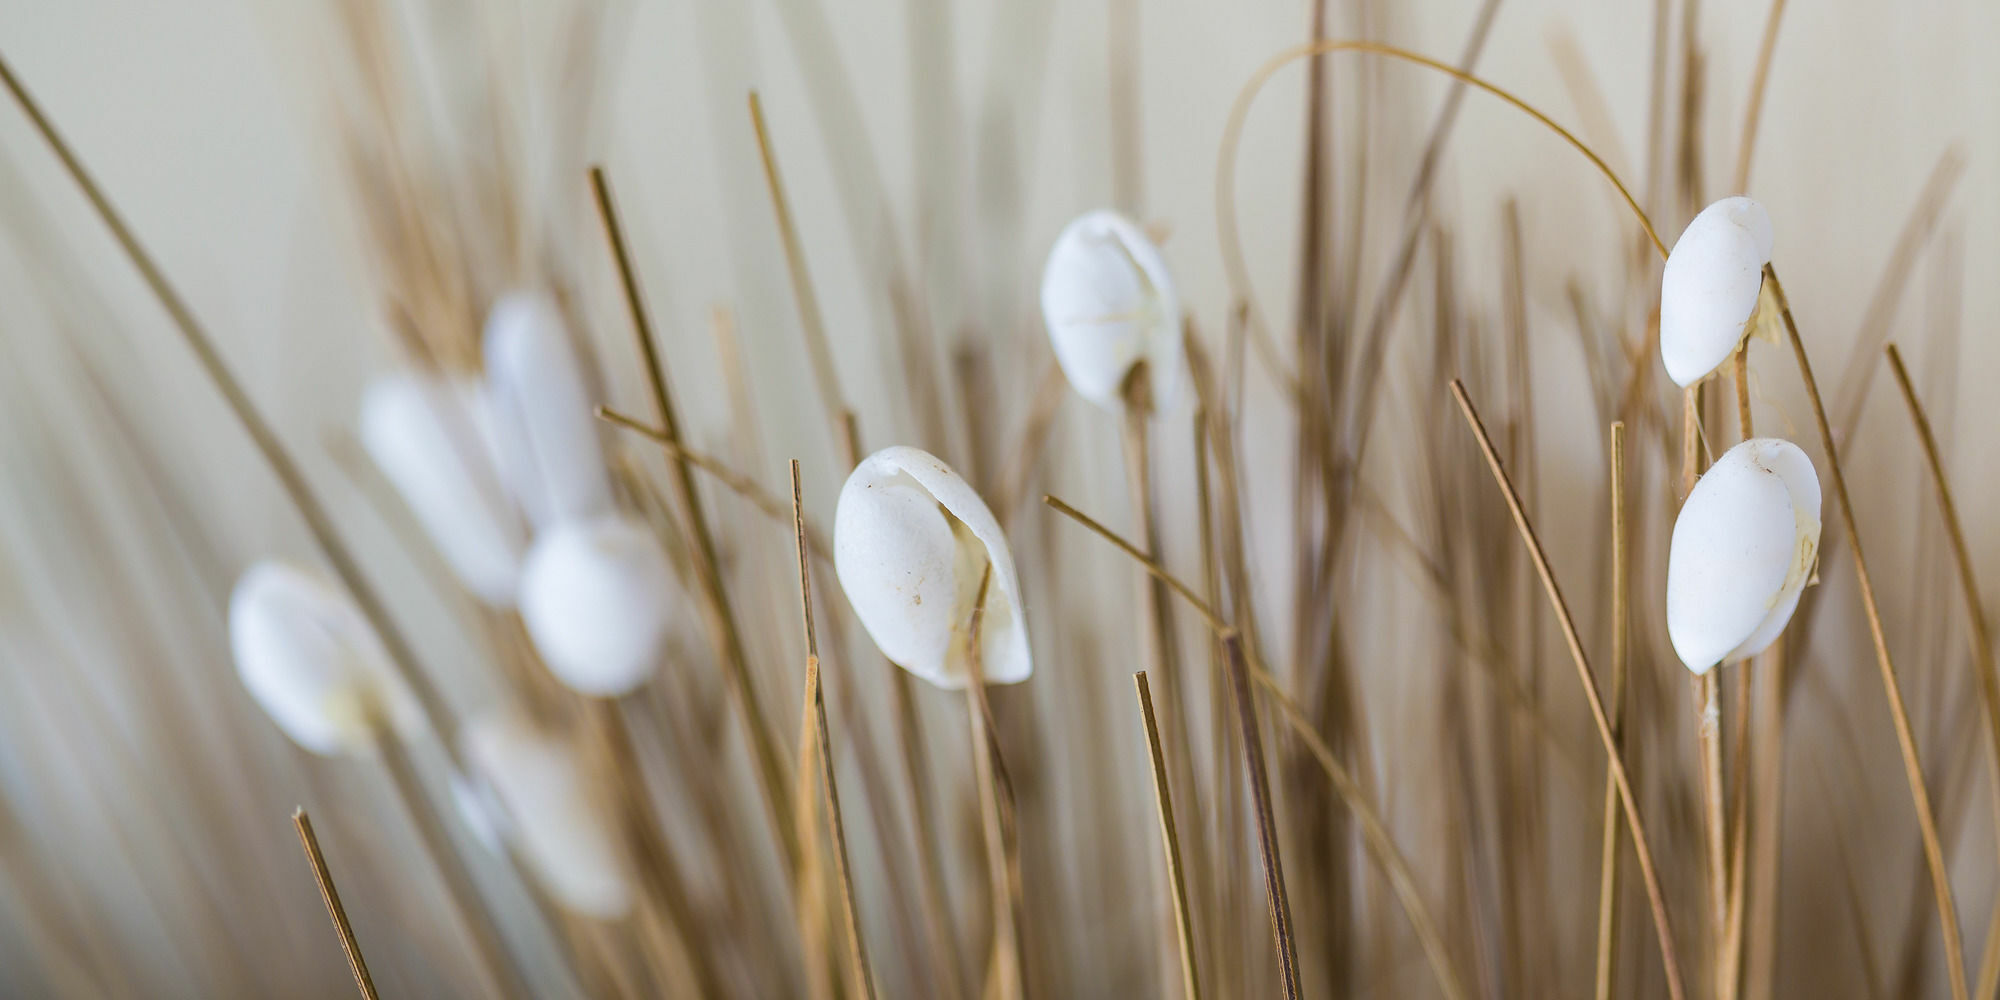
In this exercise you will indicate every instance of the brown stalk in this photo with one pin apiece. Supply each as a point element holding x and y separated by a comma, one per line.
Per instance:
<point>1375,834</point>
<point>1707,693</point>
<point>1267,822</point>
<point>1655,895</point>
<point>331,896</point>
<point>1954,948</point>
<point>1753,108</point>
<point>1234,266</point>
<point>825,377</point>
<point>1982,637</point>
<point>1156,623</point>
<point>715,596</point>
<point>1170,842</point>
<point>1008,972</point>
<point>814,724</point>
<point>1607,879</point>
<point>841,421</point>
<point>736,482</point>
<point>1731,962</point>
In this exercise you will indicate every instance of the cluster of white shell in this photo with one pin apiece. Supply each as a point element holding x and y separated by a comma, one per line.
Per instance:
<point>507,475</point>
<point>1747,536</point>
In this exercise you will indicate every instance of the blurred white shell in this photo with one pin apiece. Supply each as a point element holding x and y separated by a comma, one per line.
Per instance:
<point>308,657</point>
<point>1743,548</point>
<point>433,438</point>
<point>1109,303</point>
<point>910,543</point>
<point>1709,289</point>
<point>597,597</point>
<point>530,790</point>
<point>543,418</point>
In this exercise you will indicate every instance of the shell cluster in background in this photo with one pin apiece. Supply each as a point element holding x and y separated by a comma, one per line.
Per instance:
<point>429,471</point>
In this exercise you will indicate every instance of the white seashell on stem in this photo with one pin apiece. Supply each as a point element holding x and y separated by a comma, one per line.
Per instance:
<point>530,790</point>
<point>911,541</point>
<point>432,438</point>
<point>1708,292</point>
<point>597,597</point>
<point>544,419</point>
<point>308,657</point>
<point>1743,548</point>
<point>1109,303</point>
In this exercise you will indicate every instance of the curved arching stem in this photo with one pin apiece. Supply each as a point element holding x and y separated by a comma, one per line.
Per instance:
<point>1235,270</point>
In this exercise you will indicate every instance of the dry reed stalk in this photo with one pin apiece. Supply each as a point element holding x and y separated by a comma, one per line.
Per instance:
<point>1982,636</point>
<point>1006,975</point>
<point>1234,267</point>
<point>1734,907</point>
<point>1621,586</point>
<point>843,424</point>
<point>1707,691</point>
<point>1639,843</point>
<point>1157,639</point>
<point>334,910</point>
<point>1170,843</point>
<point>716,610</point>
<point>1375,834</point>
<point>1954,948</point>
<point>1267,823</point>
<point>814,726</point>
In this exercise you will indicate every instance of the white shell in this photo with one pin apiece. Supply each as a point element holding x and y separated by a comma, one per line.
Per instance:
<point>910,543</point>
<point>1709,289</point>
<point>531,791</point>
<point>433,438</point>
<point>1109,303</point>
<point>1743,548</point>
<point>308,657</point>
<point>597,597</point>
<point>543,416</point>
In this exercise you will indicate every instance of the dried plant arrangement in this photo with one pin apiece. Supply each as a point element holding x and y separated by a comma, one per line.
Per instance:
<point>1496,607</point>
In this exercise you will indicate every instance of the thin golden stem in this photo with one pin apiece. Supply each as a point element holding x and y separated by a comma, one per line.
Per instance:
<point>1375,834</point>
<point>1007,975</point>
<point>1737,883</point>
<point>716,610</point>
<point>1607,880</point>
<point>816,722</point>
<point>1753,108</point>
<point>825,377</point>
<point>1668,955</point>
<point>736,482</point>
<point>331,896</point>
<point>1156,624</point>
<point>1982,637</point>
<point>1234,265</point>
<point>1170,842</point>
<point>1706,691</point>
<point>1954,947</point>
<point>1267,823</point>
